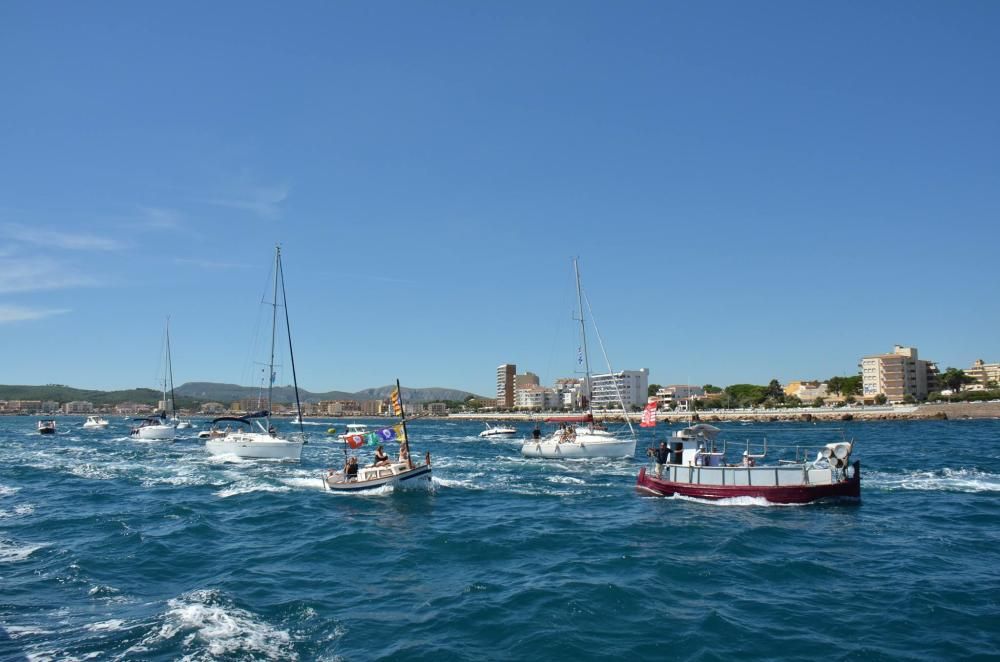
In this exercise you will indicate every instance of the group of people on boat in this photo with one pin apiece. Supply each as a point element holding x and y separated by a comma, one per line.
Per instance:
<point>381,459</point>
<point>661,457</point>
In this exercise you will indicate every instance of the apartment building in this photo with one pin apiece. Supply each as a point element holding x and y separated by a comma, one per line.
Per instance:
<point>984,373</point>
<point>897,375</point>
<point>505,385</point>
<point>78,407</point>
<point>806,390</point>
<point>632,384</point>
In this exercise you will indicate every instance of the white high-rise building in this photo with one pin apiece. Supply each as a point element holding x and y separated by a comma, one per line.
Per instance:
<point>632,384</point>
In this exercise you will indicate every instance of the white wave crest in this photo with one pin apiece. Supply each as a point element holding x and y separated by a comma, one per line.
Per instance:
<point>91,472</point>
<point>7,491</point>
<point>209,625</point>
<point>454,483</point>
<point>19,511</point>
<point>303,482</point>
<point>566,480</point>
<point>944,480</point>
<point>254,487</point>
<point>107,626</point>
<point>12,552</point>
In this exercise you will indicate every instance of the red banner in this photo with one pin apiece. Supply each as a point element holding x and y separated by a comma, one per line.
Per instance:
<point>355,440</point>
<point>649,416</point>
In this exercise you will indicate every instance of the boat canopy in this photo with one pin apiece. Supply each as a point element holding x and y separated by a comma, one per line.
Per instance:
<point>258,414</point>
<point>236,419</point>
<point>586,418</point>
<point>700,430</point>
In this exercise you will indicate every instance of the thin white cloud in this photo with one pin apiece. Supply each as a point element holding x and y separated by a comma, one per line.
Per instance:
<point>264,201</point>
<point>27,275</point>
<point>159,218</point>
<point>10,314</point>
<point>59,239</point>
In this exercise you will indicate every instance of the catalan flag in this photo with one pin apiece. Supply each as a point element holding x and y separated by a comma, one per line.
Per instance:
<point>397,406</point>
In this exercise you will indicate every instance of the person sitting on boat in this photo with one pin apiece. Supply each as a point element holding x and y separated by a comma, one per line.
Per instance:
<point>381,459</point>
<point>662,456</point>
<point>271,430</point>
<point>404,454</point>
<point>536,433</point>
<point>747,460</point>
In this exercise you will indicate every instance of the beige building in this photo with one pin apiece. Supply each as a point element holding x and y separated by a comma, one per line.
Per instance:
<point>78,407</point>
<point>806,391</point>
<point>897,375</point>
<point>984,373</point>
<point>505,385</point>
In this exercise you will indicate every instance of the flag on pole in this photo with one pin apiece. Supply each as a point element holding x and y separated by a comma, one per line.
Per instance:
<point>397,406</point>
<point>649,416</point>
<point>355,440</point>
<point>400,433</point>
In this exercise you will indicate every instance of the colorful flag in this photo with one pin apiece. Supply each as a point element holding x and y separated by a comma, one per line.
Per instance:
<point>400,433</point>
<point>649,416</point>
<point>387,434</point>
<point>397,406</point>
<point>579,355</point>
<point>355,440</point>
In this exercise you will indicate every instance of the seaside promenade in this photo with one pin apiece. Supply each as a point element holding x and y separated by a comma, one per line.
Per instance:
<point>957,410</point>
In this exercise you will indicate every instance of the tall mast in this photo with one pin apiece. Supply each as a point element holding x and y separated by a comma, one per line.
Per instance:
<point>274,324</point>
<point>402,419</point>
<point>291,354</point>
<point>583,336</point>
<point>170,371</point>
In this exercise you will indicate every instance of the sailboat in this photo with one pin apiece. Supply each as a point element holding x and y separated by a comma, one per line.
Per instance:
<point>580,436</point>
<point>404,471</point>
<point>253,435</point>
<point>158,427</point>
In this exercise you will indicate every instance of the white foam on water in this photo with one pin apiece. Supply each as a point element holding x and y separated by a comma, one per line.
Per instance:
<point>227,458</point>
<point>315,483</point>
<point>91,472</point>
<point>112,625</point>
<point>742,501</point>
<point>12,552</point>
<point>945,480</point>
<point>455,483</point>
<point>7,491</point>
<point>247,489</point>
<point>208,625</point>
<point>18,631</point>
<point>19,511</point>
<point>566,479</point>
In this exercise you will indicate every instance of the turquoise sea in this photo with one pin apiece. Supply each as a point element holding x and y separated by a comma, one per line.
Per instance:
<point>116,549</point>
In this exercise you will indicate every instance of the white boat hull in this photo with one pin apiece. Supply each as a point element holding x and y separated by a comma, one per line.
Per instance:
<point>155,433</point>
<point>419,476</point>
<point>255,445</point>
<point>585,444</point>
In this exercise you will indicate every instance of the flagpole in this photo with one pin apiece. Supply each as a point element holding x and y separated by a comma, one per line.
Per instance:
<point>402,419</point>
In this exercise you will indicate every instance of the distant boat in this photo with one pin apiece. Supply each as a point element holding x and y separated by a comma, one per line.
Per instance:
<point>580,437</point>
<point>353,429</point>
<point>181,423</point>
<point>157,427</point>
<point>498,430</point>
<point>95,422</point>
<point>46,427</point>
<point>255,436</point>
<point>696,467</point>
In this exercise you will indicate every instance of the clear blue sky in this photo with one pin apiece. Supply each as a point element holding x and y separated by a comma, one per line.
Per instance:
<point>755,190</point>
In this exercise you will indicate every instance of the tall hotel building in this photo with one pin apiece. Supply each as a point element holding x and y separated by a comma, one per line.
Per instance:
<point>505,385</point>
<point>897,375</point>
<point>632,384</point>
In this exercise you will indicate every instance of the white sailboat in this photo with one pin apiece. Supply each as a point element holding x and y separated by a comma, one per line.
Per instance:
<point>159,427</point>
<point>580,437</point>
<point>255,436</point>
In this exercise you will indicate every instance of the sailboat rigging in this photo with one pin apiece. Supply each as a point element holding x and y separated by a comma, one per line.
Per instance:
<point>591,439</point>
<point>159,427</point>
<point>252,438</point>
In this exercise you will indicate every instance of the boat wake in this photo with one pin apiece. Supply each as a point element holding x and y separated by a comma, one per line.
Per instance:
<point>742,501</point>
<point>204,624</point>
<point>244,488</point>
<point>942,480</point>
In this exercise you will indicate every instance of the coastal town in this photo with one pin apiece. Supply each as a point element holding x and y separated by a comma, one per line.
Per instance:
<point>896,384</point>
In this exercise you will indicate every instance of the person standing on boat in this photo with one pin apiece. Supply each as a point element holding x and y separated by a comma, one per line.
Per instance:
<point>662,456</point>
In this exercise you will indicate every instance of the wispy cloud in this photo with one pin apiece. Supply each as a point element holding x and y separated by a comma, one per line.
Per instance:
<point>18,314</point>
<point>209,264</point>
<point>26,275</point>
<point>159,218</point>
<point>59,239</point>
<point>264,201</point>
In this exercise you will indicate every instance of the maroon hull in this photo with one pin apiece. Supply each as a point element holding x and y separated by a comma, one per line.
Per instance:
<point>850,488</point>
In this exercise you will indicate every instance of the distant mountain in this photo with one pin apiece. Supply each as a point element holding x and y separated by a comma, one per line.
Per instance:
<point>193,393</point>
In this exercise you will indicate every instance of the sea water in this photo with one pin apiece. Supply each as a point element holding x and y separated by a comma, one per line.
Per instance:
<point>112,548</point>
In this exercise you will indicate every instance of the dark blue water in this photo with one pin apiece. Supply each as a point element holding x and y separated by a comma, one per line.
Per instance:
<point>111,548</point>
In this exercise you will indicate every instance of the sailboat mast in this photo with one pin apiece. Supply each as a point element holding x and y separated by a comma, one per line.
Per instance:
<point>583,336</point>
<point>170,371</point>
<point>291,354</point>
<point>402,419</point>
<point>274,325</point>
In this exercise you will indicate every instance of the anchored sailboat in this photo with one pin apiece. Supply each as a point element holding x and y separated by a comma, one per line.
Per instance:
<point>158,427</point>
<point>253,435</point>
<point>580,436</point>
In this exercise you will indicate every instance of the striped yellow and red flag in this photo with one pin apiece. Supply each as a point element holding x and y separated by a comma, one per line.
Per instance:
<point>397,406</point>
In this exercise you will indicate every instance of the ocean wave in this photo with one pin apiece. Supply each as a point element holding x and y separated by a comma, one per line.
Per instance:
<point>942,480</point>
<point>7,491</point>
<point>203,623</point>
<point>112,625</point>
<point>456,483</point>
<point>247,489</point>
<point>19,511</point>
<point>735,501</point>
<point>11,552</point>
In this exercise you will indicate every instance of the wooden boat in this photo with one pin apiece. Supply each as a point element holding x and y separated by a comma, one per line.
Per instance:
<point>696,468</point>
<point>403,471</point>
<point>46,427</point>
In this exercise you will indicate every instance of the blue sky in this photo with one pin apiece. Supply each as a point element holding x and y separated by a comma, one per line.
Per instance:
<point>755,190</point>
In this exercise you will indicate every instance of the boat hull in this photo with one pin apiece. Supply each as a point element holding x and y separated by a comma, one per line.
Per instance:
<point>46,431</point>
<point>255,446</point>
<point>155,433</point>
<point>850,488</point>
<point>584,446</point>
<point>416,477</point>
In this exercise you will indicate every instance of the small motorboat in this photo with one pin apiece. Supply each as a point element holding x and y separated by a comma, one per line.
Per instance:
<point>95,422</point>
<point>153,428</point>
<point>354,429</point>
<point>498,430</point>
<point>46,427</point>
<point>696,467</point>
<point>181,423</point>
